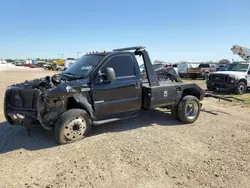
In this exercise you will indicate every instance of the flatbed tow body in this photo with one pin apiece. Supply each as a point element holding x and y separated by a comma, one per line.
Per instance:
<point>159,96</point>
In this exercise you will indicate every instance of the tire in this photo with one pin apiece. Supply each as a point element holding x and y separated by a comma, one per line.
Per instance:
<point>174,112</point>
<point>206,76</point>
<point>241,88</point>
<point>73,125</point>
<point>183,108</point>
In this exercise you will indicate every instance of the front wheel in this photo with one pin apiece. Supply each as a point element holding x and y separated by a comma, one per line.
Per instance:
<point>206,76</point>
<point>73,125</point>
<point>189,109</point>
<point>241,88</point>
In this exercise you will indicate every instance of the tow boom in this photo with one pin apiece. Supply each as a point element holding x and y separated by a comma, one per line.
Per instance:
<point>241,51</point>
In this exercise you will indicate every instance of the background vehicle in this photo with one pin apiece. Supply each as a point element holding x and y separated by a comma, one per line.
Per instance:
<point>59,65</point>
<point>3,62</point>
<point>202,71</point>
<point>98,88</point>
<point>235,76</point>
<point>37,65</point>
<point>46,65</point>
<point>19,63</point>
<point>50,66</point>
<point>68,63</point>
<point>183,68</point>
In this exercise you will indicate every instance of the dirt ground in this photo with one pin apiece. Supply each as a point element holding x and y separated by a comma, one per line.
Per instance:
<point>152,150</point>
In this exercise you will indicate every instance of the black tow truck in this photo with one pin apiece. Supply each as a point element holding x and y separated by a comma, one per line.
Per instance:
<point>100,87</point>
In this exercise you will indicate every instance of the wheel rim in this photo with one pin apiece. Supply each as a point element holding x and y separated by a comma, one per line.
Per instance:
<point>206,76</point>
<point>241,88</point>
<point>75,128</point>
<point>192,110</point>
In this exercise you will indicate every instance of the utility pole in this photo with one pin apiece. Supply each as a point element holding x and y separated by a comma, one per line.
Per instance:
<point>77,54</point>
<point>62,56</point>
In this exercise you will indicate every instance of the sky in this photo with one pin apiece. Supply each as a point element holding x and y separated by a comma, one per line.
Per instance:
<point>177,30</point>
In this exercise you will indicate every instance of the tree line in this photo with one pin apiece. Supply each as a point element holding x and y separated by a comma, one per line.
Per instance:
<point>222,61</point>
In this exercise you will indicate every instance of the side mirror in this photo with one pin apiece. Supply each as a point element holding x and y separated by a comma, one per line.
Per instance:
<point>109,74</point>
<point>248,72</point>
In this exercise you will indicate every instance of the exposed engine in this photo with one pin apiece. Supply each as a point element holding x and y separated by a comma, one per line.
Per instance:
<point>41,83</point>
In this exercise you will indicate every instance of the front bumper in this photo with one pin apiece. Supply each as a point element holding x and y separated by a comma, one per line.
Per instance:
<point>20,106</point>
<point>220,85</point>
<point>197,74</point>
<point>30,107</point>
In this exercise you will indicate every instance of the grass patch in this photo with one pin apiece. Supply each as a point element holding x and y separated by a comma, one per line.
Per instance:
<point>245,97</point>
<point>201,83</point>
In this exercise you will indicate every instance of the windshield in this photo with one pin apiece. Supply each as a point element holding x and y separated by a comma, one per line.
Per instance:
<point>204,66</point>
<point>84,65</point>
<point>236,67</point>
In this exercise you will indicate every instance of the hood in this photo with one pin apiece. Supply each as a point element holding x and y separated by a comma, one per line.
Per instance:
<point>230,73</point>
<point>68,88</point>
<point>39,83</point>
<point>48,84</point>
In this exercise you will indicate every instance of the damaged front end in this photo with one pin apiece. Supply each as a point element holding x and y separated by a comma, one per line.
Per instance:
<point>38,102</point>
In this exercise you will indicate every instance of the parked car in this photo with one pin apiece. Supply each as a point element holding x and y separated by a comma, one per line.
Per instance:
<point>50,66</point>
<point>202,71</point>
<point>183,68</point>
<point>235,76</point>
<point>19,64</point>
<point>37,65</point>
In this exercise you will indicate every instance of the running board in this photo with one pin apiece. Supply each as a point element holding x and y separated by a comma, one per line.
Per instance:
<point>112,120</point>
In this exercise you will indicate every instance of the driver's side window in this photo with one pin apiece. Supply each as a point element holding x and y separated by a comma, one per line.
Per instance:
<point>123,66</point>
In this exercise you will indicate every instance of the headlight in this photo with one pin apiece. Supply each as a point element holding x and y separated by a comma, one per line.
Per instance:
<point>56,79</point>
<point>231,79</point>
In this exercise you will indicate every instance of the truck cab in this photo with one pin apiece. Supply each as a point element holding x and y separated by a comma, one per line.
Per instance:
<point>99,87</point>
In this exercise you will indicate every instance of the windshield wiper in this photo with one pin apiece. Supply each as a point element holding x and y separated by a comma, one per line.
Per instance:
<point>74,76</point>
<point>68,73</point>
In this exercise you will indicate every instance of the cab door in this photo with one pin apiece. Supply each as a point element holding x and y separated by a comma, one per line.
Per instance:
<point>123,94</point>
<point>248,77</point>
